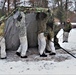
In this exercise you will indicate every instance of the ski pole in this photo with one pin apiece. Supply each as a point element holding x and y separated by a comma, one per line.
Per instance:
<point>68,52</point>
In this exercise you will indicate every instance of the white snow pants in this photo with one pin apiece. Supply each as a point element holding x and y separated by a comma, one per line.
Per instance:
<point>41,43</point>
<point>23,46</point>
<point>65,36</point>
<point>2,47</point>
<point>50,46</point>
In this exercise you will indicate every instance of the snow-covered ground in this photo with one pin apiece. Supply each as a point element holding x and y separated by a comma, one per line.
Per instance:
<point>71,45</point>
<point>38,68</point>
<point>61,64</point>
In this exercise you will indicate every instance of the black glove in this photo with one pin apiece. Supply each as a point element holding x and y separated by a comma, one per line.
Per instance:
<point>50,24</point>
<point>19,17</point>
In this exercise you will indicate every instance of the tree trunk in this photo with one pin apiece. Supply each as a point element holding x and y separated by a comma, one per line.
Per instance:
<point>66,8</point>
<point>15,4</point>
<point>8,6</point>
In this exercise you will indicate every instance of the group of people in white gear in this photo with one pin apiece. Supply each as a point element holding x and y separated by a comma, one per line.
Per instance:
<point>45,35</point>
<point>43,42</point>
<point>42,39</point>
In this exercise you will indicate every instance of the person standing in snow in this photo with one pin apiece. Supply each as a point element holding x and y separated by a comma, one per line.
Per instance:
<point>41,18</point>
<point>67,27</point>
<point>20,24</point>
<point>2,41</point>
<point>50,34</point>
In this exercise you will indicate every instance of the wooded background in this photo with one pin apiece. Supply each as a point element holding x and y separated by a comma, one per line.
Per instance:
<point>62,9</point>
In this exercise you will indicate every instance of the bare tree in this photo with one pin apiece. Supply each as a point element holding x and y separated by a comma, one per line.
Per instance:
<point>39,3</point>
<point>61,9</point>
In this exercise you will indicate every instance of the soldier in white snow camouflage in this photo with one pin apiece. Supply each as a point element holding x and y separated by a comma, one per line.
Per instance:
<point>2,41</point>
<point>20,24</point>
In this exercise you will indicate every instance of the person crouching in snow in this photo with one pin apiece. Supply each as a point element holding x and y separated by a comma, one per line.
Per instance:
<point>20,24</point>
<point>67,27</point>
<point>2,41</point>
<point>50,35</point>
<point>41,18</point>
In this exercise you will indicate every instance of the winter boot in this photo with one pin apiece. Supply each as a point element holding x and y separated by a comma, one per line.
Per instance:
<point>43,55</point>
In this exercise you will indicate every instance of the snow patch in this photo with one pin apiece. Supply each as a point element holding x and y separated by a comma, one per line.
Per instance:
<point>40,67</point>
